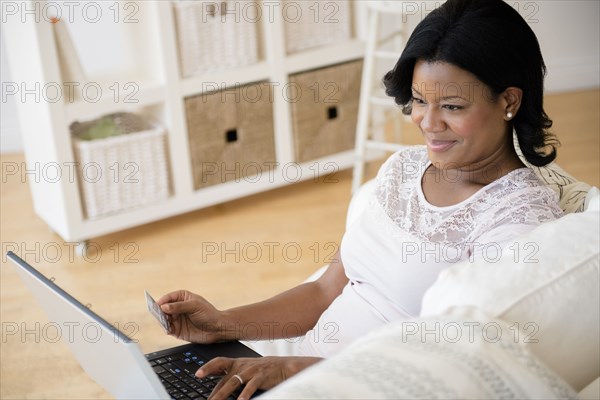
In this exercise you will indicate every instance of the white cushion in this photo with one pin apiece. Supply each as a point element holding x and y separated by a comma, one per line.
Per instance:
<point>592,201</point>
<point>547,284</point>
<point>448,357</point>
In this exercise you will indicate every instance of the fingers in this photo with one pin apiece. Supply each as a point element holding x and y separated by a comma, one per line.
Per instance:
<point>171,297</point>
<point>216,366</point>
<point>182,307</point>
<point>225,387</point>
<point>181,303</point>
<point>251,387</point>
<point>229,383</point>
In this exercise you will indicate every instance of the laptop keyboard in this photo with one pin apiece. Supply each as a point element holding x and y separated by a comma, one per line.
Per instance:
<point>176,373</point>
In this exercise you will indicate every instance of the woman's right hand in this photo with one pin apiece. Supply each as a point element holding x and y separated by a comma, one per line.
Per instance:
<point>194,319</point>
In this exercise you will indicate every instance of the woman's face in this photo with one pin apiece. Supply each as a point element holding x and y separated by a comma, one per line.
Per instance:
<point>461,122</point>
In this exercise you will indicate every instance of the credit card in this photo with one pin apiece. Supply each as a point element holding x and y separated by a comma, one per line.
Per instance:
<point>157,312</point>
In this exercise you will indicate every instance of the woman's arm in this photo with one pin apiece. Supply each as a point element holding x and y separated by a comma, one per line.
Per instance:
<point>194,319</point>
<point>299,307</point>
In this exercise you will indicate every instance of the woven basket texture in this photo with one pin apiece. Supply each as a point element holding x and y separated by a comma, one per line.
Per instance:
<point>121,172</point>
<point>213,36</point>
<point>231,134</point>
<point>324,115</point>
<point>310,24</point>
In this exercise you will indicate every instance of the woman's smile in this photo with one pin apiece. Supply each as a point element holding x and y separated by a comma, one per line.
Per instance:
<point>438,146</point>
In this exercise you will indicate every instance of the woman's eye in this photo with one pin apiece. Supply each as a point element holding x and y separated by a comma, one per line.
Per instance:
<point>452,107</point>
<point>417,100</point>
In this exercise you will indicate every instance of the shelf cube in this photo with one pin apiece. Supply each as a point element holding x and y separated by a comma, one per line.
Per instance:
<point>310,24</point>
<point>121,172</point>
<point>231,134</point>
<point>325,110</point>
<point>213,36</point>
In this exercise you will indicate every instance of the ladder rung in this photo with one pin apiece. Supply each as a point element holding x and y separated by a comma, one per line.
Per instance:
<point>383,101</point>
<point>387,55</point>
<point>374,144</point>
<point>389,8</point>
<point>391,38</point>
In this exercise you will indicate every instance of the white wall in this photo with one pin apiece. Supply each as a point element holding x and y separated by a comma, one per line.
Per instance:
<point>569,35</point>
<point>568,31</point>
<point>10,139</point>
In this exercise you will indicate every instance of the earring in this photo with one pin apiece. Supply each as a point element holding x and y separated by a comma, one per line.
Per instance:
<point>509,115</point>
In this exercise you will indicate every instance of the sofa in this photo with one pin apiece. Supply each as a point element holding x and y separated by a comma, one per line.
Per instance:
<point>524,326</point>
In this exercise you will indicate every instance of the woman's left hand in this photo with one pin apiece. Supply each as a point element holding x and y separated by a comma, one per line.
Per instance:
<point>255,373</point>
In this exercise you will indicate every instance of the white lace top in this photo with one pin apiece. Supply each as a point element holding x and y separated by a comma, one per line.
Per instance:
<point>394,251</point>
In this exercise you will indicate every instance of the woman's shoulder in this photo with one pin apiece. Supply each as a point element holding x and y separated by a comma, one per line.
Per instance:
<point>522,182</point>
<point>521,191</point>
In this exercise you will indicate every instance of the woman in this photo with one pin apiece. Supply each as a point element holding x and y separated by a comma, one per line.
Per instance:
<point>471,74</point>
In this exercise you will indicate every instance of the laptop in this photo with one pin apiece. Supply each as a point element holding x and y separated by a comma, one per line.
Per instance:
<point>114,360</point>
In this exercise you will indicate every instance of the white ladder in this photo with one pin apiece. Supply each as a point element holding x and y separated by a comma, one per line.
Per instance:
<point>369,101</point>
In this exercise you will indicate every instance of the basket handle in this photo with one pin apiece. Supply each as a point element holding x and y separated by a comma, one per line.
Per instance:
<point>332,112</point>
<point>231,135</point>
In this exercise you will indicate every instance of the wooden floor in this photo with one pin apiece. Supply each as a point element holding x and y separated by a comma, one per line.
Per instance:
<point>301,224</point>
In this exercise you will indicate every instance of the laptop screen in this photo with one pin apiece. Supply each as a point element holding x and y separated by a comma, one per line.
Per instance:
<point>107,355</point>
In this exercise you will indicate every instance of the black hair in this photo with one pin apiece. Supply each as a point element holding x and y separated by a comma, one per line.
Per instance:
<point>489,39</point>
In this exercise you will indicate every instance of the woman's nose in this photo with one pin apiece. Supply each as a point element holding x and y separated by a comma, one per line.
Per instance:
<point>432,120</point>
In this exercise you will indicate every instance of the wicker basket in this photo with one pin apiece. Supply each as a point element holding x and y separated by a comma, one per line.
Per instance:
<point>324,117</point>
<point>315,23</point>
<point>121,172</point>
<point>231,136</point>
<point>215,35</point>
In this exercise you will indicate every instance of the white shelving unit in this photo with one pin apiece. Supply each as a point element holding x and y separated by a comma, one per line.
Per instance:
<point>32,53</point>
